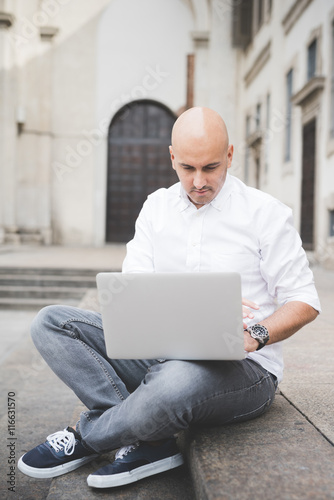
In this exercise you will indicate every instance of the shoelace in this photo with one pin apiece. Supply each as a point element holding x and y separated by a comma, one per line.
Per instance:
<point>122,452</point>
<point>62,440</point>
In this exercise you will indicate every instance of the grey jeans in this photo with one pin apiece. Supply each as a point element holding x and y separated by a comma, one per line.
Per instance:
<point>130,400</point>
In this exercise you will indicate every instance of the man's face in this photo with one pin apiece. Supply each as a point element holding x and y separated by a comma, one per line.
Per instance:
<point>202,170</point>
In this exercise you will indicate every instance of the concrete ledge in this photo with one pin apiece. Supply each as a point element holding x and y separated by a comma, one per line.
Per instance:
<point>278,456</point>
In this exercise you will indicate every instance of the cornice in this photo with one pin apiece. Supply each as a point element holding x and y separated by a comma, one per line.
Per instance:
<point>258,64</point>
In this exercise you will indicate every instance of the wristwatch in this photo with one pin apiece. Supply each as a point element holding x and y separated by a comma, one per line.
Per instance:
<point>259,333</point>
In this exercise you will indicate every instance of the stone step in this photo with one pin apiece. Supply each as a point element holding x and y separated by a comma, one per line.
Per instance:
<point>30,288</point>
<point>40,292</point>
<point>47,280</point>
<point>280,455</point>
<point>36,303</point>
<point>51,271</point>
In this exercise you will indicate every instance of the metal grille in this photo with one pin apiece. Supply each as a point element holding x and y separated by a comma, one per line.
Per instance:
<point>138,164</point>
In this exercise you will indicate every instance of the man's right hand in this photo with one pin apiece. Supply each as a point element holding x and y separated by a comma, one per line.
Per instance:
<point>246,312</point>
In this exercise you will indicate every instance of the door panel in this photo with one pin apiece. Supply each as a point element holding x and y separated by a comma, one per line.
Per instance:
<point>308,185</point>
<point>138,163</point>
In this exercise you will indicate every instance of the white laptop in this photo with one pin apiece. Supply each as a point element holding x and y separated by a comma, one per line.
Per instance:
<point>172,315</point>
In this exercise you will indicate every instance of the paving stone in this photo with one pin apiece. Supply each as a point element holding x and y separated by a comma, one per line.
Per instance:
<point>284,455</point>
<point>171,485</point>
<point>43,405</point>
<point>280,456</point>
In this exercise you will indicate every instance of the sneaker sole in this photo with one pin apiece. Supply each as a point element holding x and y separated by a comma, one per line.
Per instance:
<point>122,478</point>
<point>53,471</point>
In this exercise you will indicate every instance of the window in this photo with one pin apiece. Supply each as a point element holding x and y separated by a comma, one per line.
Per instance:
<point>247,160</point>
<point>247,152</point>
<point>242,23</point>
<point>289,83</point>
<point>268,111</point>
<point>332,87</point>
<point>248,127</point>
<point>331,223</point>
<point>257,173</point>
<point>258,116</point>
<point>312,59</point>
<point>260,13</point>
<point>267,136</point>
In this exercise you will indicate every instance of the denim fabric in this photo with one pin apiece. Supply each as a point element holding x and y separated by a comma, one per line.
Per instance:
<point>130,400</point>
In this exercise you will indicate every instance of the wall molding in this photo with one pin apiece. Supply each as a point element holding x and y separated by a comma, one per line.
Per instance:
<point>293,14</point>
<point>258,64</point>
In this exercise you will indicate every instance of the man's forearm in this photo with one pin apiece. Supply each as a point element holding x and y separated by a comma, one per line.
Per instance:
<point>283,323</point>
<point>288,319</point>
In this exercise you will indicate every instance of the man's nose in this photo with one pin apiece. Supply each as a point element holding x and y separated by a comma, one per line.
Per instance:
<point>199,180</point>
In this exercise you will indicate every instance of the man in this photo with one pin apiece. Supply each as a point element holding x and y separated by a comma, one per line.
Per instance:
<point>210,221</point>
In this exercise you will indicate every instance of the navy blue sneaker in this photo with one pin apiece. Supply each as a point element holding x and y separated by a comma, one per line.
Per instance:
<point>135,462</point>
<point>62,452</point>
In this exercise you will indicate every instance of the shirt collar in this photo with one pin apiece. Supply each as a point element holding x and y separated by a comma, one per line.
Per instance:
<point>216,203</point>
<point>223,194</point>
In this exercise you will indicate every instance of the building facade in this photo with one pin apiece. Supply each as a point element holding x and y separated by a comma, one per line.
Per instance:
<point>89,92</point>
<point>286,110</point>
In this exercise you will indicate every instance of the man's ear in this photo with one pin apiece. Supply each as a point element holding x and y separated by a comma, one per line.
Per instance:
<point>172,157</point>
<point>230,150</point>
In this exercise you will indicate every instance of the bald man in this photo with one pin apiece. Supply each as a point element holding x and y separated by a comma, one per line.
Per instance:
<point>209,221</point>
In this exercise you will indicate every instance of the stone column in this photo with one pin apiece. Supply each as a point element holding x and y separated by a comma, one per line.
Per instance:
<point>35,144</point>
<point>8,227</point>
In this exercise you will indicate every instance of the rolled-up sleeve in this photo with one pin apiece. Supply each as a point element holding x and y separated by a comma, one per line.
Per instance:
<point>284,265</point>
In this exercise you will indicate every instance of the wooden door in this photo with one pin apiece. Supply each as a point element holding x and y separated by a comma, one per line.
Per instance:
<point>138,163</point>
<point>308,185</point>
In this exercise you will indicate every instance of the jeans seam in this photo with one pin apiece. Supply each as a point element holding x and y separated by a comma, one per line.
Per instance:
<point>266,403</point>
<point>91,323</point>
<point>220,394</point>
<point>110,379</point>
<point>75,337</point>
<point>87,416</point>
<point>119,394</point>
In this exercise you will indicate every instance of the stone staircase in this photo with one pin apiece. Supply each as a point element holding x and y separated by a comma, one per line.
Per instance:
<point>34,288</point>
<point>281,455</point>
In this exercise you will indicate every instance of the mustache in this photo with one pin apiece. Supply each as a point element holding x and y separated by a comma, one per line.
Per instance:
<point>204,188</point>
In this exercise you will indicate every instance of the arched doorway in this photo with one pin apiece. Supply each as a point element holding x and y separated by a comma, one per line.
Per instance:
<point>138,163</point>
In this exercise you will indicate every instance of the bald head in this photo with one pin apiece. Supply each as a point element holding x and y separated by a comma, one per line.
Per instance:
<point>199,125</point>
<point>200,154</point>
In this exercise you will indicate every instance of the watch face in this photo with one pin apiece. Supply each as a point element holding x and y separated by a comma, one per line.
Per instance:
<point>260,331</point>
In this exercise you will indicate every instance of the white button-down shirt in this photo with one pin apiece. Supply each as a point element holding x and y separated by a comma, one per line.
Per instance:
<point>242,230</point>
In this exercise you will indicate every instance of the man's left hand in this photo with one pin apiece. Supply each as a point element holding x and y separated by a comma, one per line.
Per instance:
<point>250,344</point>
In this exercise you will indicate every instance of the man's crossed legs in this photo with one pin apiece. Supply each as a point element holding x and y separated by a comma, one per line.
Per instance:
<point>135,404</point>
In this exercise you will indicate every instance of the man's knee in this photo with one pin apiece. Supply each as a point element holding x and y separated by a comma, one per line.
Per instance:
<point>46,319</point>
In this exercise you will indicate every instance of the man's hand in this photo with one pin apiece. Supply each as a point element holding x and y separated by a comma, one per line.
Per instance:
<point>250,343</point>
<point>283,323</point>
<point>246,312</point>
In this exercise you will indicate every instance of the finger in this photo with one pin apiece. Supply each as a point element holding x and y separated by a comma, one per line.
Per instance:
<point>250,303</point>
